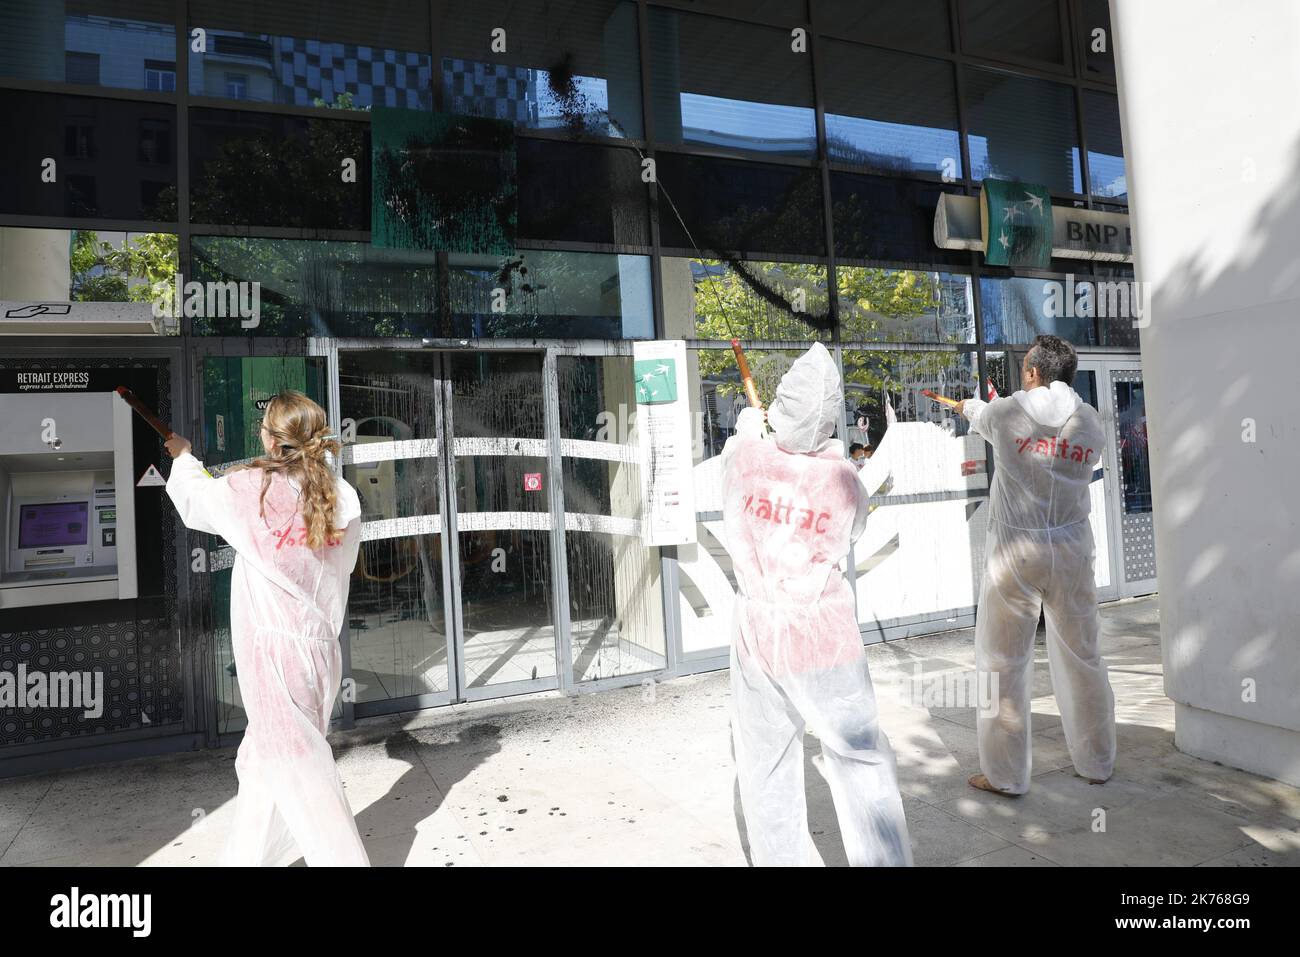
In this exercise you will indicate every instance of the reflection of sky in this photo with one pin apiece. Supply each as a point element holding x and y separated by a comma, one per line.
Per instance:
<point>1108,175</point>
<point>755,126</point>
<point>1013,312</point>
<point>635,299</point>
<point>901,145</point>
<point>981,168</point>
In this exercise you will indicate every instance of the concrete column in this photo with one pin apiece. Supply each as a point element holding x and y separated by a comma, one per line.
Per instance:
<point>1211,120</point>
<point>35,264</point>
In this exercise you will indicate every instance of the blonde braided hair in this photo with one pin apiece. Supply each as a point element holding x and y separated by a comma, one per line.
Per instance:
<point>300,429</point>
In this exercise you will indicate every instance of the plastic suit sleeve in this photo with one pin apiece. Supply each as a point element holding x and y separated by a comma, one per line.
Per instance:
<point>974,410</point>
<point>864,509</point>
<point>750,425</point>
<point>203,502</point>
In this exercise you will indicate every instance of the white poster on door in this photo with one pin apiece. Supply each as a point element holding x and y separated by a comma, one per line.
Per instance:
<point>664,426</point>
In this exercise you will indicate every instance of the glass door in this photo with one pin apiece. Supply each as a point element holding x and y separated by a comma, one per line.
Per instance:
<point>398,634</point>
<point>1133,474</point>
<point>452,596</point>
<point>500,522</point>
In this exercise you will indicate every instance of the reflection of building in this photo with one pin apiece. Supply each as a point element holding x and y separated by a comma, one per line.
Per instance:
<point>491,89</point>
<point>300,71</point>
<point>104,51</point>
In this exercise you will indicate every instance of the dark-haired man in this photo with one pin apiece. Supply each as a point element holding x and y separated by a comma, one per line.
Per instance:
<point>1046,442</point>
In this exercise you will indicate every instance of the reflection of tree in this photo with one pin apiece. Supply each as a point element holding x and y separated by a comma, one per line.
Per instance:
<point>313,287</point>
<point>148,256</point>
<point>260,175</point>
<point>726,308</point>
<point>346,288</point>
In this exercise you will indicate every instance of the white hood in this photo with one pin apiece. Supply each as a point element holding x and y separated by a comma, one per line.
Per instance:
<point>1050,406</point>
<point>808,401</point>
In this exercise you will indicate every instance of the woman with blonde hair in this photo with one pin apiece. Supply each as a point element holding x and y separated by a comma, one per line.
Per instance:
<point>295,527</point>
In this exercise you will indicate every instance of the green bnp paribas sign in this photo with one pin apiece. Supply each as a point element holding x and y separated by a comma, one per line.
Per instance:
<point>1016,223</point>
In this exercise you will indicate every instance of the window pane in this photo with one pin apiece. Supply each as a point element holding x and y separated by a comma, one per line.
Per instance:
<point>890,112</point>
<point>1121,306</point>
<point>1002,377</point>
<point>507,622</point>
<point>1013,29</point>
<point>271,68</point>
<point>321,288</point>
<point>888,219</point>
<point>902,23</point>
<point>709,299</point>
<point>577,67</point>
<point>90,266</point>
<point>547,293</point>
<point>571,192</point>
<point>327,52</point>
<point>393,24</point>
<point>894,305</point>
<point>919,557</point>
<point>1099,53</point>
<point>717,204</point>
<point>729,84</point>
<point>615,600</point>
<point>1105,145</point>
<point>1134,453</point>
<point>259,169</point>
<point>90,43</point>
<point>1015,310</point>
<point>396,622</point>
<point>355,289</point>
<point>1022,128</point>
<point>115,159</point>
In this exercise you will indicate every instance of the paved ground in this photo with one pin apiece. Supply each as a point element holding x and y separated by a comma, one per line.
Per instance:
<point>641,777</point>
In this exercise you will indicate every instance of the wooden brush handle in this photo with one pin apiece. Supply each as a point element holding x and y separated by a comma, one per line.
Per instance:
<point>940,398</point>
<point>746,377</point>
<point>145,412</point>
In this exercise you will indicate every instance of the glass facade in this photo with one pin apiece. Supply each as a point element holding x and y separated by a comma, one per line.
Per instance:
<point>765,171</point>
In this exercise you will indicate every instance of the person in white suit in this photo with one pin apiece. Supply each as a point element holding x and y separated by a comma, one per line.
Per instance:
<point>1039,554</point>
<point>295,528</point>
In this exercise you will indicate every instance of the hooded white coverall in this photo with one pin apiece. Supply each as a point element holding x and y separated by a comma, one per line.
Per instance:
<point>287,603</point>
<point>1046,443</point>
<point>791,507</point>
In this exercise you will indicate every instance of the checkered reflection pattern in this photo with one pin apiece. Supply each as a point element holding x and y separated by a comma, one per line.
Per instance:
<point>475,88</point>
<point>374,77</point>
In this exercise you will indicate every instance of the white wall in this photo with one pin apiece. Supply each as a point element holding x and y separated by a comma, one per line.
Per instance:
<point>1210,105</point>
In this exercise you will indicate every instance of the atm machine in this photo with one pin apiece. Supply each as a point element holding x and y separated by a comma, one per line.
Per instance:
<point>67,499</point>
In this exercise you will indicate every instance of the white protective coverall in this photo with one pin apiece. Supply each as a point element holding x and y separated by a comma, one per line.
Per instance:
<point>1046,443</point>
<point>792,505</point>
<point>287,603</point>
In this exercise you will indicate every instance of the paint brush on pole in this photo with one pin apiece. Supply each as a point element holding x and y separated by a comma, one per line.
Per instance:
<point>747,381</point>
<point>146,413</point>
<point>951,403</point>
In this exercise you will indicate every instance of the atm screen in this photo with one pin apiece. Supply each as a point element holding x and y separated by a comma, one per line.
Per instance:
<point>52,524</point>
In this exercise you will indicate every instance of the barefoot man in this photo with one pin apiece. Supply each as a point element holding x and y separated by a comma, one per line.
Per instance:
<point>1046,442</point>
